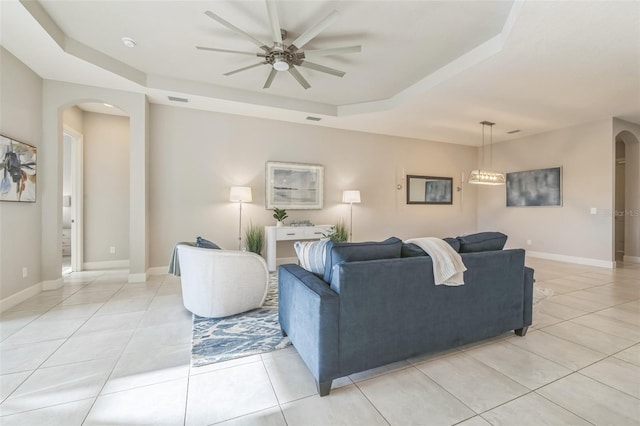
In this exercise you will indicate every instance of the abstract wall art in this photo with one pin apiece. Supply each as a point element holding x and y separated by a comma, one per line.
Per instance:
<point>18,171</point>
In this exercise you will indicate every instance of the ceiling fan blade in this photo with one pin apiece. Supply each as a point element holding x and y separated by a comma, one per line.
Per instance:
<point>296,74</point>
<point>272,75</point>
<point>214,49</point>
<point>274,22</point>
<point>245,68</point>
<point>235,29</point>
<point>332,51</point>
<point>322,68</point>
<point>316,29</point>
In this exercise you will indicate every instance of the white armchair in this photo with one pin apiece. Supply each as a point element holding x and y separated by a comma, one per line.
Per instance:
<point>219,283</point>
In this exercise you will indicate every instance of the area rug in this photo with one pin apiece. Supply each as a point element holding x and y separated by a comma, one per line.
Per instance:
<point>237,336</point>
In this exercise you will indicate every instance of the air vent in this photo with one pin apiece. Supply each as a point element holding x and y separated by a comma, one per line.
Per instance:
<point>513,131</point>
<point>310,118</point>
<point>176,99</point>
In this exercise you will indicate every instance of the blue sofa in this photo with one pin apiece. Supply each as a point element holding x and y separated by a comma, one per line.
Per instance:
<point>366,313</point>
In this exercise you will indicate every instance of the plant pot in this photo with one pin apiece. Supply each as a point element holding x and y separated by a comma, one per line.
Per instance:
<point>279,223</point>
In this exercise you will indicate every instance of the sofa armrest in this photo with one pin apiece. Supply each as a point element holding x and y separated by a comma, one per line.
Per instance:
<point>309,313</point>
<point>528,295</point>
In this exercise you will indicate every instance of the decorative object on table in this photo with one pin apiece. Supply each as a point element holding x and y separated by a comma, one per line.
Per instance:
<point>237,336</point>
<point>240,194</point>
<point>429,190</point>
<point>338,234</point>
<point>535,188</point>
<point>254,239</point>
<point>294,185</point>
<point>484,176</point>
<point>302,223</point>
<point>283,55</point>
<point>18,166</point>
<point>351,196</point>
<point>279,215</point>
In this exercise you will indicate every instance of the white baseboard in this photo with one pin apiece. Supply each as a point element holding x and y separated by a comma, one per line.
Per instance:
<point>138,278</point>
<point>158,270</point>
<point>19,297</point>
<point>631,259</point>
<point>52,284</point>
<point>572,259</point>
<point>106,264</point>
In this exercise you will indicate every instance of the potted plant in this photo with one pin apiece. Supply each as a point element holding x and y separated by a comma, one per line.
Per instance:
<point>280,215</point>
<point>254,238</point>
<point>339,233</point>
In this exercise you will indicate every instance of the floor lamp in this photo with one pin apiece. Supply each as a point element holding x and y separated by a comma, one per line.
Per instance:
<point>351,196</point>
<point>240,194</point>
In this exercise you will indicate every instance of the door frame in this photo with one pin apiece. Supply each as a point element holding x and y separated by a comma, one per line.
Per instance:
<point>77,198</point>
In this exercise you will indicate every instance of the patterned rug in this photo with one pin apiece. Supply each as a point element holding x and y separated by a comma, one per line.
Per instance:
<point>237,336</point>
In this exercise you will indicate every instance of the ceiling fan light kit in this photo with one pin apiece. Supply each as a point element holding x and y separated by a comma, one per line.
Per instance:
<point>285,57</point>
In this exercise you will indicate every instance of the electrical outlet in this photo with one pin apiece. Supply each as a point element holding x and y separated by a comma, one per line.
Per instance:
<point>25,272</point>
<point>112,250</point>
<point>594,210</point>
<point>528,242</point>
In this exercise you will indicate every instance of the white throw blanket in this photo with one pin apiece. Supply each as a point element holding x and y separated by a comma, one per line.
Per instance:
<point>448,268</point>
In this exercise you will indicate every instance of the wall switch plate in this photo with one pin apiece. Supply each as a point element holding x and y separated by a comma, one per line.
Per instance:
<point>594,210</point>
<point>528,242</point>
<point>112,250</point>
<point>25,272</point>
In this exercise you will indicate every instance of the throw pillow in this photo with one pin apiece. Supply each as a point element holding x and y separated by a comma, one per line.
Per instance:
<point>202,243</point>
<point>353,252</point>
<point>311,255</point>
<point>482,241</point>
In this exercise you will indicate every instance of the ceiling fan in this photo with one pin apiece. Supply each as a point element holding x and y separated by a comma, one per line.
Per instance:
<point>283,56</point>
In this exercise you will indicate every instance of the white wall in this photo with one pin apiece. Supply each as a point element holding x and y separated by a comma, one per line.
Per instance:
<point>632,185</point>
<point>20,223</point>
<point>106,187</point>
<point>585,153</point>
<point>196,156</point>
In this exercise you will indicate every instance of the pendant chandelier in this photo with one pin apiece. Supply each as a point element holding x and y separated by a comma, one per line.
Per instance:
<point>486,176</point>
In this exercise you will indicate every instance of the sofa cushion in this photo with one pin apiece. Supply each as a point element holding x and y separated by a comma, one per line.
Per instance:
<point>352,252</point>
<point>412,250</point>
<point>482,241</point>
<point>311,255</point>
<point>202,243</point>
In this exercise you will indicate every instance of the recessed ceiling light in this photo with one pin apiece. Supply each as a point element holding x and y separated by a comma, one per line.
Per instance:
<point>513,131</point>
<point>128,41</point>
<point>108,105</point>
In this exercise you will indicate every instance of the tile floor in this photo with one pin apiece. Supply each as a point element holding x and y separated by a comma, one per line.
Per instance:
<point>100,351</point>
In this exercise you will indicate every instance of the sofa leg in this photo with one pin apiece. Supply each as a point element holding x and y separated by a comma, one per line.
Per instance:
<point>521,331</point>
<point>284,333</point>
<point>323,387</point>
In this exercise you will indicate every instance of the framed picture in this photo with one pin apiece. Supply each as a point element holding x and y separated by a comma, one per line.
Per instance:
<point>18,171</point>
<point>294,185</point>
<point>429,190</point>
<point>535,188</point>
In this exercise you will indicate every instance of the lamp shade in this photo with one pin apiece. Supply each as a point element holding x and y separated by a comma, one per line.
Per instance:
<point>351,196</point>
<point>240,194</point>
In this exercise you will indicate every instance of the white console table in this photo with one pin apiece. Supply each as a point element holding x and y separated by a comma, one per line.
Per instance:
<point>284,233</point>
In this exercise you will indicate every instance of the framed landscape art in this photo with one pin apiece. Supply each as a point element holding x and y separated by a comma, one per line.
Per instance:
<point>294,185</point>
<point>18,171</point>
<point>535,188</point>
